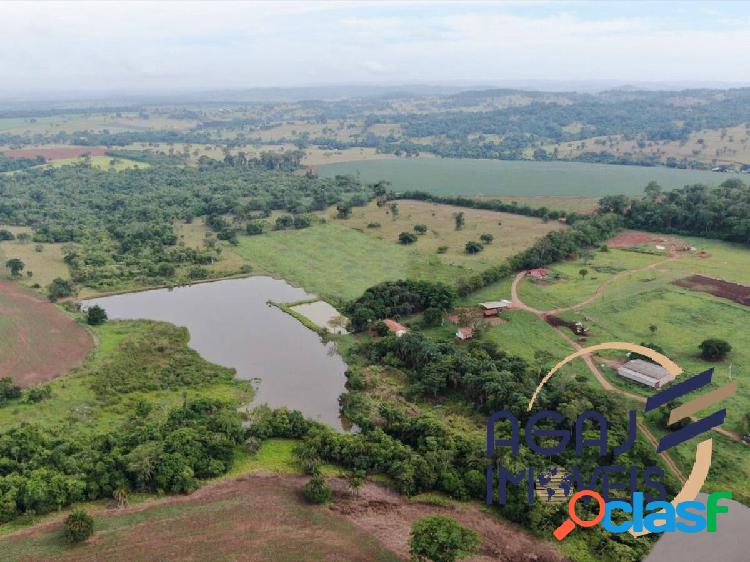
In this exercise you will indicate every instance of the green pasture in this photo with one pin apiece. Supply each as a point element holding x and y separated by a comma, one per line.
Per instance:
<point>571,287</point>
<point>337,262</point>
<point>454,176</point>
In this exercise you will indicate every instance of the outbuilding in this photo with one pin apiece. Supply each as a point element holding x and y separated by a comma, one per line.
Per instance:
<point>645,372</point>
<point>493,308</point>
<point>395,327</point>
<point>465,333</point>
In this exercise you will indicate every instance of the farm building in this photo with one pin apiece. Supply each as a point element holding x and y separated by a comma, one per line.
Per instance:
<point>465,333</point>
<point>646,373</point>
<point>395,327</point>
<point>539,273</point>
<point>493,308</point>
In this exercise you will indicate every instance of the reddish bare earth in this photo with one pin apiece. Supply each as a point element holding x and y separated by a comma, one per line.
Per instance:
<point>263,518</point>
<point>717,287</point>
<point>55,153</point>
<point>631,238</point>
<point>37,340</point>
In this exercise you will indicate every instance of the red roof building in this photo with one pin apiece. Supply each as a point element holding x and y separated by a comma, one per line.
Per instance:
<point>539,273</point>
<point>395,327</point>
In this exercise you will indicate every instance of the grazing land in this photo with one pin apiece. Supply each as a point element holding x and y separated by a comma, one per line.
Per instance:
<point>450,176</point>
<point>43,260</point>
<point>337,262</point>
<point>59,152</point>
<point>38,342</point>
<point>512,233</point>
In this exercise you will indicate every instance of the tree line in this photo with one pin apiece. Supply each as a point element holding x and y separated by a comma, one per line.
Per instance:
<point>721,212</point>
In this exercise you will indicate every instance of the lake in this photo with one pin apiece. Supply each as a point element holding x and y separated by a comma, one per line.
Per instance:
<point>231,324</point>
<point>452,176</point>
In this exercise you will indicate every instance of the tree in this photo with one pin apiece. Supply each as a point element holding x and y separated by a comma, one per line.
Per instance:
<point>432,316</point>
<point>96,315</point>
<point>380,328</point>
<point>393,207</point>
<point>441,539</point>
<point>6,235</point>
<point>459,220</point>
<point>473,247</point>
<point>420,228</point>
<point>15,266</point>
<point>583,273</point>
<point>60,288</point>
<point>714,349</point>
<point>407,238</point>
<point>487,238</point>
<point>317,490</point>
<point>78,526</point>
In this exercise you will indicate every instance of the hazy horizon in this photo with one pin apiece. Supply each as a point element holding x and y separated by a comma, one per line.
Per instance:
<point>138,47</point>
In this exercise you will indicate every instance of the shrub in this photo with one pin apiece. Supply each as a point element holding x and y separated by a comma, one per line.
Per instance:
<point>487,238</point>
<point>407,238</point>
<point>420,228</point>
<point>473,247</point>
<point>254,228</point>
<point>96,315</point>
<point>78,526</point>
<point>373,225</point>
<point>442,249</point>
<point>441,539</point>
<point>317,490</point>
<point>714,349</point>
<point>60,288</point>
<point>433,316</point>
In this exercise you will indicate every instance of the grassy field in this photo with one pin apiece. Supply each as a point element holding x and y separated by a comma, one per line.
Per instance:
<point>101,163</point>
<point>581,204</point>
<point>449,176</point>
<point>571,288</point>
<point>45,265</point>
<point>194,234</point>
<point>512,233</point>
<point>337,262</point>
<point>75,404</point>
<point>95,122</point>
<point>708,145</point>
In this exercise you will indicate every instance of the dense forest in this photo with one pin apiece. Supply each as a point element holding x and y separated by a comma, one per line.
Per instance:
<point>119,226</point>
<point>722,212</point>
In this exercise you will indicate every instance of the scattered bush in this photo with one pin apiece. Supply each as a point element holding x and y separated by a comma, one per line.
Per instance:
<point>78,527</point>
<point>486,238</point>
<point>420,228</point>
<point>317,490</point>
<point>473,247</point>
<point>441,539</point>
<point>407,238</point>
<point>442,249</point>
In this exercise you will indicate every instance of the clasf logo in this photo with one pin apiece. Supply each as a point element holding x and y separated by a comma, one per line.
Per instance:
<point>682,514</point>
<point>654,517</point>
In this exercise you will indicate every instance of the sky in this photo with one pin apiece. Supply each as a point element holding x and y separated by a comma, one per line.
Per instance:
<point>149,46</point>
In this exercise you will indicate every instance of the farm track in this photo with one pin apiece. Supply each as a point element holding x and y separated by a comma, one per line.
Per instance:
<point>603,382</point>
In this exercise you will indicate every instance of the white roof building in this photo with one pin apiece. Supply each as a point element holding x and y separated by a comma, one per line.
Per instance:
<point>646,373</point>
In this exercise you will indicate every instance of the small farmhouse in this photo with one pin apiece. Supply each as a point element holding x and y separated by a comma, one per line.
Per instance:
<point>395,327</point>
<point>646,373</point>
<point>465,333</point>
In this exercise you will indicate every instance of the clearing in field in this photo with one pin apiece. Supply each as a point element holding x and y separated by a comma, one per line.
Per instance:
<point>512,233</point>
<point>44,261</point>
<point>197,235</point>
<point>37,341</point>
<point>723,289</point>
<point>339,263</point>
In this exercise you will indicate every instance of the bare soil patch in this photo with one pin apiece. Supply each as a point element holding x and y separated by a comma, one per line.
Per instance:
<point>717,287</point>
<point>631,238</point>
<point>262,517</point>
<point>55,153</point>
<point>38,342</point>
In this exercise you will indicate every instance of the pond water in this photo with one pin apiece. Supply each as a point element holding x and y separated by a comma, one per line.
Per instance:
<point>231,324</point>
